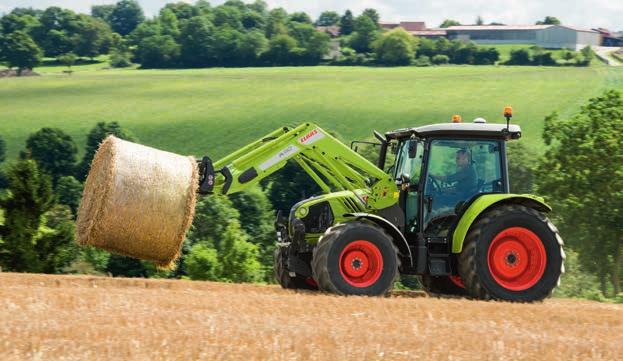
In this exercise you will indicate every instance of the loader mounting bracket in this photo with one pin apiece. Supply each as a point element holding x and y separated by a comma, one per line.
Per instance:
<point>206,176</point>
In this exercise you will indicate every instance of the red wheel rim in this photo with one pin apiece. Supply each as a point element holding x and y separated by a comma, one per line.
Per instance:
<point>361,263</point>
<point>517,258</point>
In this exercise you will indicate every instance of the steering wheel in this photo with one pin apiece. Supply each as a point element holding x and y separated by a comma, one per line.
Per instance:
<point>435,184</point>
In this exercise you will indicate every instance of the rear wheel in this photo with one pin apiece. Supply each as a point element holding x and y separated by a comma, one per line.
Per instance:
<point>445,285</point>
<point>512,253</point>
<point>282,274</point>
<point>355,258</point>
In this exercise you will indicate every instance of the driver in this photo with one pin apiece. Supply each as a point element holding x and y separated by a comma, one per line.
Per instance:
<point>465,177</point>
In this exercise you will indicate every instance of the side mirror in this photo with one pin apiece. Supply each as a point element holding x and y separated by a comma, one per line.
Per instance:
<point>412,149</point>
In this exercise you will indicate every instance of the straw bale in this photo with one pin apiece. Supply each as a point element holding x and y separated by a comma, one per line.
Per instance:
<point>137,201</point>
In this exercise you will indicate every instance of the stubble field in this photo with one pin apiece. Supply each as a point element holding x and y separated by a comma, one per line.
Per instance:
<point>47,317</point>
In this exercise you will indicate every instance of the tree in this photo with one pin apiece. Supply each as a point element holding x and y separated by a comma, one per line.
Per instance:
<point>102,11</point>
<point>202,263</point>
<point>228,15</point>
<point>30,197</point>
<point>227,43</point>
<point>197,42</point>
<point>275,24</point>
<point>158,51</point>
<point>253,45</point>
<point>520,57</point>
<point>119,59</point>
<point>395,48</point>
<point>257,220</point>
<point>347,23</point>
<point>300,17</point>
<point>289,186</point>
<point>54,151</point>
<point>366,32</point>
<point>169,23</point>
<point>373,15</point>
<point>479,21</point>
<point>126,16</point>
<point>93,37</point>
<point>216,226</point>
<point>182,10</point>
<point>448,23</point>
<point>440,59</point>
<point>521,163</point>
<point>20,51</point>
<point>238,257</point>
<point>212,217</point>
<point>12,22</point>
<point>144,30</point>
<point>582,175</point>
<point>328,18</point>
<point>281,49</point>
<point>69,192</point>
<point>67,59</point>
<point>549,20</point>
<point>317,47</point>
<point>95,137</point>
<point>55,244</point>
<point>56,35</point>
<point>588,54</point>
<point>253,20</point>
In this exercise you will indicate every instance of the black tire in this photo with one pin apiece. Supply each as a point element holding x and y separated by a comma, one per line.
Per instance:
<point>347,236</point>
<point>282,274</point>
<point>474,261</point>
<point>442,285</point>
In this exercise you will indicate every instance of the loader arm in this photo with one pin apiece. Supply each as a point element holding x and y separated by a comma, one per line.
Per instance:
<point>330,163</point>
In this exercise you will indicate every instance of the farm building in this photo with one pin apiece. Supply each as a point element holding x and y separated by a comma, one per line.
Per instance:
<point>415,28</point>
<point>546,36</point>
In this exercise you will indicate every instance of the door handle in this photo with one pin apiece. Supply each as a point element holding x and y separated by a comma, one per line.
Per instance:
<point>429,204</point>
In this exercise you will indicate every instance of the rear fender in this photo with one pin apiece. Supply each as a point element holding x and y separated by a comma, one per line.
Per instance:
<point>486,202</point>
<point>397,237</point>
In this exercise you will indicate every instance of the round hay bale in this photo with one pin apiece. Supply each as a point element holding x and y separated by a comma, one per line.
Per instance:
<point>137,201</point>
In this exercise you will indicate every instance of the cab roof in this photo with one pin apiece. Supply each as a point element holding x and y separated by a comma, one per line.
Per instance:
<point>479,130</point>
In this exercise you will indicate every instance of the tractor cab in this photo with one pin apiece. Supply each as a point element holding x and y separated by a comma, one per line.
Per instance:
<point>441,168</point>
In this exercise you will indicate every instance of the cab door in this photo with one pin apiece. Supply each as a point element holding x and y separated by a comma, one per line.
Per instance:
<point>409,167</point>
<point>457,171</point>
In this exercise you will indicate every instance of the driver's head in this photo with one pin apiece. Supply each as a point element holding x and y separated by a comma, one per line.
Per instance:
<point>462,157</point>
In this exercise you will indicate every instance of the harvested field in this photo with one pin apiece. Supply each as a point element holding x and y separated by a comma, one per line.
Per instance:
<point>88,318</point>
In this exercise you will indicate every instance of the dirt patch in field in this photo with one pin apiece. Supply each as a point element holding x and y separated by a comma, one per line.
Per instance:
<point>91,318</point>
<point>6,73</point>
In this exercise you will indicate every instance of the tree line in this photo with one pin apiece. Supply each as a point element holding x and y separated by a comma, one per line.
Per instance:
<point>233,34</point>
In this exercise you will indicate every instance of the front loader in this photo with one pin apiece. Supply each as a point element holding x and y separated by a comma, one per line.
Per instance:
<point>442,210</point>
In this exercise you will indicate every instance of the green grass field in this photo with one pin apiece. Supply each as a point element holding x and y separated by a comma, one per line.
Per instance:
<point>215,111</point>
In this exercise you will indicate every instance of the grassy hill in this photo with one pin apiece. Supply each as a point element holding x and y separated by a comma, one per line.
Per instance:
<point>215,111</point>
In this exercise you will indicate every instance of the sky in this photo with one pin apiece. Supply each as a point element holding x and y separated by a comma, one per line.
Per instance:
<point>580,13</point>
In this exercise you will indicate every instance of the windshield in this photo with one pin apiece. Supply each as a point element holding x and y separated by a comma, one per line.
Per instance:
<point>410,166</point>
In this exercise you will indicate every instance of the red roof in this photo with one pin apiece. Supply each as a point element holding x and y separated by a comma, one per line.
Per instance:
<point>413,25</point>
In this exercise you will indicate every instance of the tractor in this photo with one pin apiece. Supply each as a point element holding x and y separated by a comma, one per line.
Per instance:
<point>436,204</point>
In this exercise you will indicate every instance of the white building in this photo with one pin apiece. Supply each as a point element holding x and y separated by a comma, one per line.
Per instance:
<point>545,36</point>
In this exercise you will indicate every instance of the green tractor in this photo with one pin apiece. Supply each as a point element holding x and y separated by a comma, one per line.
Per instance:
<point>441,209</point>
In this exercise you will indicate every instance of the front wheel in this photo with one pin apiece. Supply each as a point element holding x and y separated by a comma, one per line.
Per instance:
<point>355,258</point>
<point>512,253</point>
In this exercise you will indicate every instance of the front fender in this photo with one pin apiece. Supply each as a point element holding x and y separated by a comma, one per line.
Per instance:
<point>399,239</point>
<point>485,202</point>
